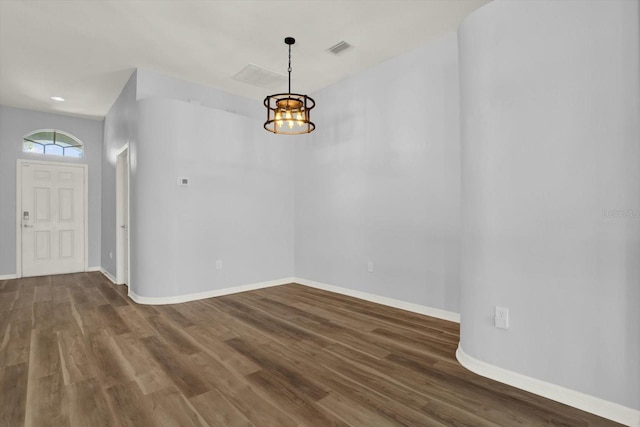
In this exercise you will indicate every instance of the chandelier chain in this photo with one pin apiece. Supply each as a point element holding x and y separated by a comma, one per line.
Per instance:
<point>289,69</point>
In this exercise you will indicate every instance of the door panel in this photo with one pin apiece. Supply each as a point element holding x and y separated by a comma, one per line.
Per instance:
<point>52,232</point>
<point>42,204</point>
<point>66,244</point>
<point>42,245</point>
<point>65,204</point>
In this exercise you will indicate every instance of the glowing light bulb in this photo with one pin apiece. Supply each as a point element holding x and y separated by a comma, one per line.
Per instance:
<point>279,119</point>
<point>300,118</point>
<point>289,117</point>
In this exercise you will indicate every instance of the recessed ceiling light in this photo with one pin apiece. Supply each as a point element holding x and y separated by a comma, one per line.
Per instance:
<point>58,98</point>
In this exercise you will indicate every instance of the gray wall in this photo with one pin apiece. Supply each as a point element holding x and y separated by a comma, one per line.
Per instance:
<point>379,181</point>
<point>238,207</point>
<point>550,142</point>
<point>14,124</point>
<point>120,128</point>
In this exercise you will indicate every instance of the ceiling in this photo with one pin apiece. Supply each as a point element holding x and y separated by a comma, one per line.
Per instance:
<point>85,50</point>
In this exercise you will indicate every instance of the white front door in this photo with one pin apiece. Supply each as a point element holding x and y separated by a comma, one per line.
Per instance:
<point>52,218</point>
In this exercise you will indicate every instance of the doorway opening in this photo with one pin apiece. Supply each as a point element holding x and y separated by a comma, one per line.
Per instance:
<point>122,216</point>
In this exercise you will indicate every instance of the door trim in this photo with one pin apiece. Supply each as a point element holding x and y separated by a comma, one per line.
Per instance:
<point>120,261</point>
<point>85,171</point>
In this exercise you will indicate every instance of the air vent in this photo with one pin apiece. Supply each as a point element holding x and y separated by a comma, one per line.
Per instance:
<point>256,76</point>
<point>339,48</point>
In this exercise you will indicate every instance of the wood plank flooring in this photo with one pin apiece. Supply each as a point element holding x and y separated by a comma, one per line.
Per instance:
<point>75,351</point>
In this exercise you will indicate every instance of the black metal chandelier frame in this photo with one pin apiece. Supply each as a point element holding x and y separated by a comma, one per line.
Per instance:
<point>289,113</point>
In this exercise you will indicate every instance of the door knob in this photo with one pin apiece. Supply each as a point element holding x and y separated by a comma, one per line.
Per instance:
<point>27,226</point>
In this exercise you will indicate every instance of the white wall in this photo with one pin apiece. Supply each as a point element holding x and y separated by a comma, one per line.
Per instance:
<point>120,128</point>
<point>379,181</point>
<point>16,123</point>
<point>153,85</point>
<point>550,142</point>
<point>238,207</point>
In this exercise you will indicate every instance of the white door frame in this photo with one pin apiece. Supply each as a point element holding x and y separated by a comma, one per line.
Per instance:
<point>121,262</point>
<point>85,171</point>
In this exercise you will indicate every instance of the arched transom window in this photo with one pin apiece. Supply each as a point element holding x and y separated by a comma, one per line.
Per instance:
<point>52,142</point>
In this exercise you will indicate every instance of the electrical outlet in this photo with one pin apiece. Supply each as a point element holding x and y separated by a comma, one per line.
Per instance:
<point>502,318</point>
<point>219,264</point>
<point>370,266</point>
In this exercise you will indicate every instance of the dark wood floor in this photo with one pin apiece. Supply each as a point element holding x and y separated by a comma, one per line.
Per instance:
<point>76,351</point>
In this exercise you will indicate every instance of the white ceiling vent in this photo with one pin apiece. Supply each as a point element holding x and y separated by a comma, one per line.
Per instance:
<point>339,48</point>
<point>256,76</point>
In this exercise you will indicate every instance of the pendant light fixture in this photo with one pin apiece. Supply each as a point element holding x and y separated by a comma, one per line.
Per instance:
<point>289,113</point>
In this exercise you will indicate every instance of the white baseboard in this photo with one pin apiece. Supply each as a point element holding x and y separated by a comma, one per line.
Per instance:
<point>584,402</point>
<point>15,276</point>
<point>207,294</point>
<point>107,275</point>
<point>403,305</point>
<point>415,308</point>
<point>391,302</point>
